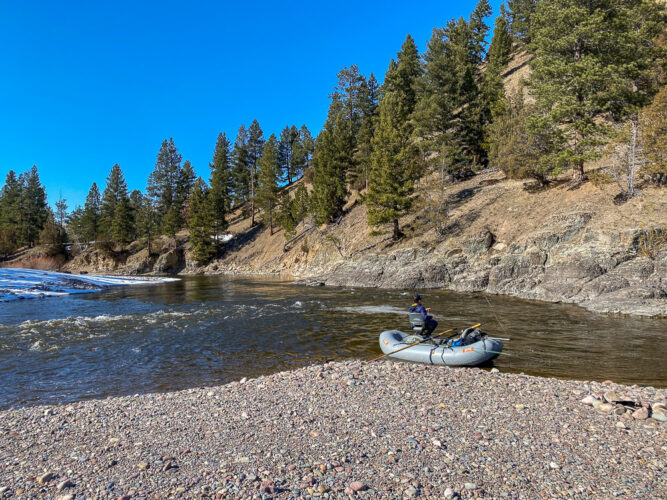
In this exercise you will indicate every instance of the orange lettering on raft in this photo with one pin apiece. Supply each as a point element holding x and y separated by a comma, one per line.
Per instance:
<point>384,341</point>
<point>469,349</point>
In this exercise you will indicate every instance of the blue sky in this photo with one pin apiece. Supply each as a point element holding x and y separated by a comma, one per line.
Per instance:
<point>84,85</point>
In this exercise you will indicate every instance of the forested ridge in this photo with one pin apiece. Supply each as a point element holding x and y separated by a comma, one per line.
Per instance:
<point>596,90</point>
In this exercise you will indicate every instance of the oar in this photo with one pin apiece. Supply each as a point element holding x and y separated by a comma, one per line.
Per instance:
<point>419,342</point>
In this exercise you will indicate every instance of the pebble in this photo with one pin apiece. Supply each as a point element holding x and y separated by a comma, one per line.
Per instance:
<point>64,484</point>
<point>470,486</point>
<point>45,478</point>
<point>357,486</point>
<point>411,492</point>
<point>640,414</point>
<point>554,466</point>
<point>610,397</point>
<point>605,407</point>
<point>495,370</point>
<point>449,493</point>
<point>590,400</point>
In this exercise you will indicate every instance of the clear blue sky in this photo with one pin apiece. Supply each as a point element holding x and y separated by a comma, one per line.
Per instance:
<point>86,84</point>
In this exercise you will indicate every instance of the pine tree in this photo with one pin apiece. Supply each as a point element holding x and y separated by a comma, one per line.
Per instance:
<point>303,150</point>
<point>61,215</point>
<point>147,221</point>
<point>163,185</point>
<point>34,210</point>
<point>241,170</point>
<point>288,150</point>
<point>10,213</point>
<point>267,188</point>
<point>75,225</point>
<point>222,180</point>
<point>92,214</point>
<point>201,224</point>
<point>116,218</point>
<point>520,140</point>
<point>255,148</point>
<point>186,182</point>
<point>588,56</point>
<point>394,165</point>
<point>50,235</point>
<point>520,14</point>
<point>331,160</point>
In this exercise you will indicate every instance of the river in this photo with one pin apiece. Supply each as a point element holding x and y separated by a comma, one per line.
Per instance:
<point>208,330</point>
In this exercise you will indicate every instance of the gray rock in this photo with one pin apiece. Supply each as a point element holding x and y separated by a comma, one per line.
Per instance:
<point>45,478</point>
<point>470,486</point>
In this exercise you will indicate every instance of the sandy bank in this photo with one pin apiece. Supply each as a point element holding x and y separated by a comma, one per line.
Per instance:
<point>386,429</point>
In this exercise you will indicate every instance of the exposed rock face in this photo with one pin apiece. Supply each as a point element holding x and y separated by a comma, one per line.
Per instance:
<point>559,262</point>
<point>171,262</point>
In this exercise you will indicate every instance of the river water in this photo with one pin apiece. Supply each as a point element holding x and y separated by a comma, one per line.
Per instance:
<point>208,330</point>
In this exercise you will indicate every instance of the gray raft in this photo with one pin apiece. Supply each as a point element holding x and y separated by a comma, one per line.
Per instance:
<point>466,355</point>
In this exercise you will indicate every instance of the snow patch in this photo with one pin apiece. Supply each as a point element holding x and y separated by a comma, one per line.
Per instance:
<point>18,284</point>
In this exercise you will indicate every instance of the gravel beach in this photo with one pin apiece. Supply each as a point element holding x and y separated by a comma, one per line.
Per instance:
<point>358,429</point>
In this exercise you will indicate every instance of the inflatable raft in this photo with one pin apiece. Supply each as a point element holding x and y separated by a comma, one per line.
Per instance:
<point>480,351</point>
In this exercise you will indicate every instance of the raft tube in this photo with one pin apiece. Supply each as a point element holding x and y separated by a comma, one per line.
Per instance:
<point>466,355</point>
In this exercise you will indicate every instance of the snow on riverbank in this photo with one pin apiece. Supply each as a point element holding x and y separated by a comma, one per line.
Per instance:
<point>31,283</point>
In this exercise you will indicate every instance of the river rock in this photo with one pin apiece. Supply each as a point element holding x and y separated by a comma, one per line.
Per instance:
<point>610,397</point>
<point>641,414</point>
<point>357,486</point>
<point>590,400</point>
<point>605,407</point>
<point>64,484</point>
<point>449,493</point>
<point>659,414</point>
<point>410,492</point>
<point>45,478</point>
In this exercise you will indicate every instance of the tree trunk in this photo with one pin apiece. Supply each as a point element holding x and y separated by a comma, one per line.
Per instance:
<point>632,161</point>
<point>397,231</point>
<point>252,197</point>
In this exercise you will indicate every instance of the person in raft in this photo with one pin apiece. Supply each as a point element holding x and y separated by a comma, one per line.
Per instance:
<point>429,322</point>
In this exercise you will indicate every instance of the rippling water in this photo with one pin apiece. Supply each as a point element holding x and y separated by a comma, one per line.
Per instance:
<point>209,330</point>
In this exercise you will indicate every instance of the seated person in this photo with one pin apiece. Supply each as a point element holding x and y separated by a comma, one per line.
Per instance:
<point>429,322</point>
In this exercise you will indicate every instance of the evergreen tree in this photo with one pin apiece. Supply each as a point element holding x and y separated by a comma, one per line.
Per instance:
<point>520,140</point>
<point>164,183</point>
<point>222,180</point>
<point>10,214</point>
<point>75,225</point>
<point>394,165</point>
<point>241,170</point>
<point>186,182</point>
<point>116,218</point>
<point>288,150</point>
<point>332,157</point>
<point>61,215</point>
<point>50,236</point>
<point>255,148</point>
<point>201,224</point>
<point>588,62</point>
<point>303,150</point>
<point>269,172</point>
<point>285,215</point>
<point>147,225</point>
<point>136,202</point>
<point>92,214</point>
<point>34,210</point>
<point>520,14</point>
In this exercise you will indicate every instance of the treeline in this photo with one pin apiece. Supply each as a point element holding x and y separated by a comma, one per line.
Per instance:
<point>597,81</point>
<point>245,176</point>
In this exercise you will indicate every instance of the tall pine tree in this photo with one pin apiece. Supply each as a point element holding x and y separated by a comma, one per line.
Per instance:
<point>222,180</point>
<point>255,147</point>
<point>163,186</point>
<point>116,217</point>
<point>395,156</point>
<point>201,224</point>
<point>269,173</point>
<point>92,214</point>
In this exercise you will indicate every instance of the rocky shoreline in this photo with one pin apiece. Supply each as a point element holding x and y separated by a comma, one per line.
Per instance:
<point>346,429</point>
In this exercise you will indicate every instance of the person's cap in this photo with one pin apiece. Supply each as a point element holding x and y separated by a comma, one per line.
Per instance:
<point>417,297</point>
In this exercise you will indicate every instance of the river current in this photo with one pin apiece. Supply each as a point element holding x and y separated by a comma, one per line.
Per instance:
<point>209,330</point>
